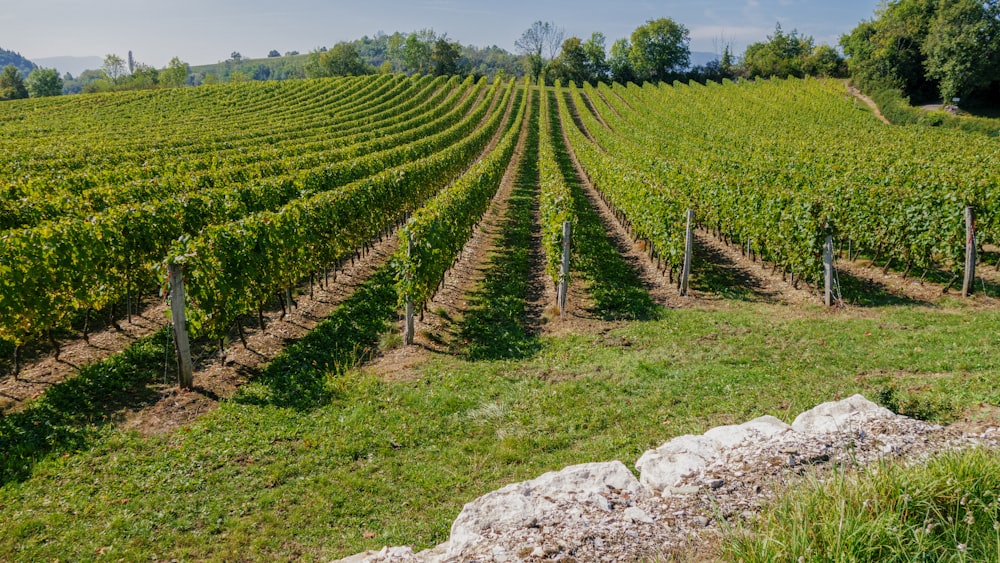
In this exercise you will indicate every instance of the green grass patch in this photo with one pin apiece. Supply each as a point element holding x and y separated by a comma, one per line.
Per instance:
<point>944,510</point>
<point>300,376</point>
<point>373,462</point>
<point>499,323</point>
<point>70,415</point>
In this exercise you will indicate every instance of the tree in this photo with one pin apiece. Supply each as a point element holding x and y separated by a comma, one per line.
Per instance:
<point>571,64</point>
<point>417,54</point>
<point>143,76</point>
<point>235,56</point>
<point>659,47</point>
<point>825,61</point>
<point>114,68</point>
<point>888,51</point>
<point>394,50</point>
<point>44,82</point>
<point>342,60</point>
<point>273,53</point>
<point>445,56</point>
<point>791,54</point>
<point>538,38</point>
<point>620,63</point>
<point>963,47</point>
<point>596,57</point>
<point>176,73</point>
<point>11,85</point>
<point>726,64</point>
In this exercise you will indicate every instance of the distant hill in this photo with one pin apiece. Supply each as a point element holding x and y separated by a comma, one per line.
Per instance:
<point>72,65</point>
<point>12,58</point>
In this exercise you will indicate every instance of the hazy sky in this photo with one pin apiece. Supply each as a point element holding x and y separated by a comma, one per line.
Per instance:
<point>207,31</point>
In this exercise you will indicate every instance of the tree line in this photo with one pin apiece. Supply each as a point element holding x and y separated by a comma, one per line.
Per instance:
<point>925,49</point>
<point>929,50</point>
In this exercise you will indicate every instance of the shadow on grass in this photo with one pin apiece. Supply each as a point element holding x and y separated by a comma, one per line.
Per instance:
<point>70,414</point>
<point>500,323</point>
<point>615,286</point>
<point>298,376</point>
<point>871,293</point>
<point>713,272</point>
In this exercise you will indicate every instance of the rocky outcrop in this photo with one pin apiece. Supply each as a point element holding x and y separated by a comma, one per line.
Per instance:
<point>601,512</point>
<point>527,504</point>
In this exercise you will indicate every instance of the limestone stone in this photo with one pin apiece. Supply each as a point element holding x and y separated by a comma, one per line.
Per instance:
<point>736,434</point>
<point>675,461</point>
<point>522,504</point>
<point>843,416</point>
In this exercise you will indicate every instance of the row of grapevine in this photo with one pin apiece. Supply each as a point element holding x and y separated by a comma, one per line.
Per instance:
<point>621,175</point>
<point>154,126</point>
<point>130,184</point>
<point>235,268</point>
<point>555,199</point>
<point>434,235</point>
<point>777,164</point>
<point>51,271</point>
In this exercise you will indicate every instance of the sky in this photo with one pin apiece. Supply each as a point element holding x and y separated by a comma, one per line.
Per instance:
<point>207,31</point>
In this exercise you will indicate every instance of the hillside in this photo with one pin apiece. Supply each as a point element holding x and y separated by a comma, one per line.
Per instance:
<point>307,217</point>
<point>13,58</point>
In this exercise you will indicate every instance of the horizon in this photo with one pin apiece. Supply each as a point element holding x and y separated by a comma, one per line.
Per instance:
<point>207,34</point>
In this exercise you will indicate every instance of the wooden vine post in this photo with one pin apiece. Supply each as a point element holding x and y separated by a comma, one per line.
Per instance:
<point>564,269</point>
<point>408,330</point>
<point>969,285</point>
<point>185,367</point>
<point>828,269</point>
<point>688,249</point>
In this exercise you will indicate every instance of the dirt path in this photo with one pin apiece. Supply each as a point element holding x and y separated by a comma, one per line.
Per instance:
<point>879,284</point>
<point>868,101</point>
<point>722,271</point>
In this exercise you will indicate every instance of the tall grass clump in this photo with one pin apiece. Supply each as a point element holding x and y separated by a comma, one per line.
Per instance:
<point>946,509</point>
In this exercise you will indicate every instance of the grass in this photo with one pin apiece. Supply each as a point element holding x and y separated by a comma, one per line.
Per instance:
<point>71,415</point>
<point>613,283</point>
<point>498,323</point>
<point>374,462</point>
<point>944,510</point>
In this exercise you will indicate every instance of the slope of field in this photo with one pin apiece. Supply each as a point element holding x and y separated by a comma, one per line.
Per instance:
<point>99,188</point>
<point>776,165</point>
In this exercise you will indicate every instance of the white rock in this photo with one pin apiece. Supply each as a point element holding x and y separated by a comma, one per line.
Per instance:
<point>676,460</point>
<point>520,504</point>
<point>637,515</point>
<point>839,416</point>
<point>681,491</point>
<point>736,434</point>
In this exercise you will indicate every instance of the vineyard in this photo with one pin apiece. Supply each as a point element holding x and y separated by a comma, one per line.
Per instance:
<point>255,187</point>
<point>259,194</point>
